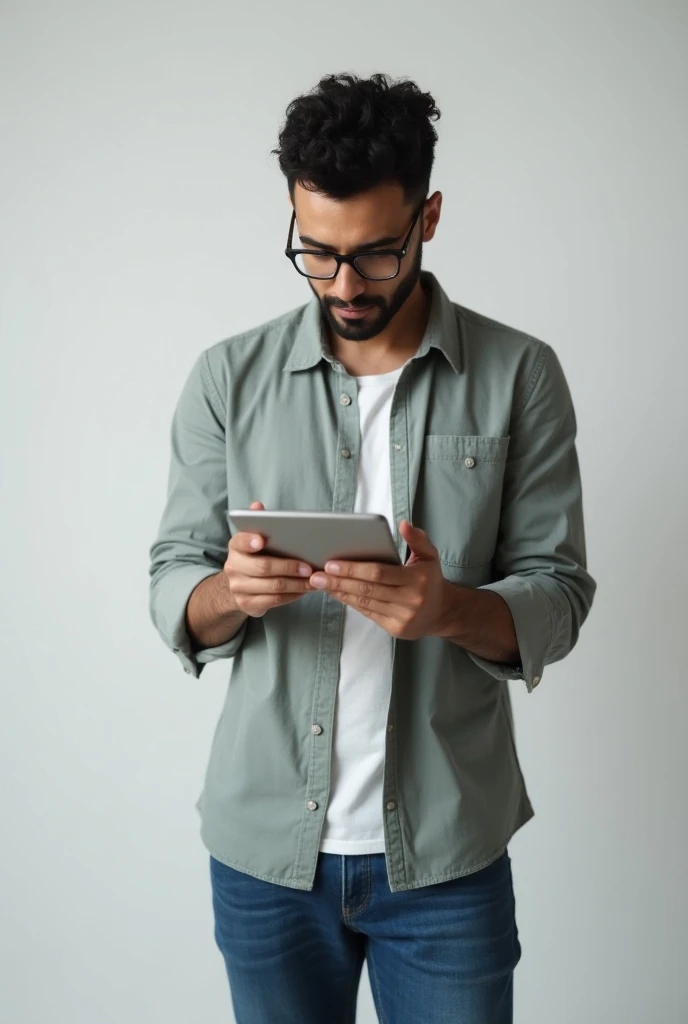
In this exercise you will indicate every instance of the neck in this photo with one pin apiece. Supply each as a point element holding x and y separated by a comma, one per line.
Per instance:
<point>392,347</point>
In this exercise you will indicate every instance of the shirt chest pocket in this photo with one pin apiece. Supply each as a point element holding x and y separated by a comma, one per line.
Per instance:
<point>460,498</point>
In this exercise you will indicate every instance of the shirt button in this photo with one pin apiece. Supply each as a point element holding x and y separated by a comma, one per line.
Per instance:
<point>389,728</point>
<point>346,453</point>
<point>469,463</point>
<point>344,400</point>
<point>311,805</point>
<point>390,805</point>
<point>316,729</point>
<point>536,680</point>
<point>398,447</point>
<point>188,671</point>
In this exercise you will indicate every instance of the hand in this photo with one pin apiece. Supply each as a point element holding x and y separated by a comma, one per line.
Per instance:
<point>407,601</point>
<point>260,582</point>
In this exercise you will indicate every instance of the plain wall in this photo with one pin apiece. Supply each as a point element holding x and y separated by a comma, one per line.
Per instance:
<point>143,220</point>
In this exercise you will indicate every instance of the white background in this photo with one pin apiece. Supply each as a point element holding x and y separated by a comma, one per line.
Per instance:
<point>143,220</point>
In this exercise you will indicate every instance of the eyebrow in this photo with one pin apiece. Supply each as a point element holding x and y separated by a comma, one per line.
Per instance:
<point>379,243</point>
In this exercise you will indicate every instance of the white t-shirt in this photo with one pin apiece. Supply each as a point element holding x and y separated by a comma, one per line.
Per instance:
<point>353,820</point>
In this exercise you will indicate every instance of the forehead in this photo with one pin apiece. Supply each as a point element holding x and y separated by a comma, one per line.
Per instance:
<point>345,224</point>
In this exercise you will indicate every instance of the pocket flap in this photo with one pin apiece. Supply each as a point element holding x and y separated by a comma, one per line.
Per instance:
<point>479,448</point>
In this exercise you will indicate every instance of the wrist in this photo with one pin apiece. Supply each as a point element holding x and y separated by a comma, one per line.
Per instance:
<point>212,616</point>
<point>454,604</point>
<point>480,621</point>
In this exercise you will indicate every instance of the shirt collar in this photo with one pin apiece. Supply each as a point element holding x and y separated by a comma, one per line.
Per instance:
<point>442,332</point>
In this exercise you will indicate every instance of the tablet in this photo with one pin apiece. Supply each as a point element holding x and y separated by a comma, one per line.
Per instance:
<point>319,537</point>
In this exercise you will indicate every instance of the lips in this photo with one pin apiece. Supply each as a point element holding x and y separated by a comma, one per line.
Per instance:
<point>354,314</point>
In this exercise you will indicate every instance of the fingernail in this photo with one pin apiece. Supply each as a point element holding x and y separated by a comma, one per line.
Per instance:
<point>332,567</point>
<point>318,580</point>
<point>255,542</point>
<point>305,570</point>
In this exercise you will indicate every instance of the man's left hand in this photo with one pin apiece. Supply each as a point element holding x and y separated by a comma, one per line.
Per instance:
<point>407,601</point>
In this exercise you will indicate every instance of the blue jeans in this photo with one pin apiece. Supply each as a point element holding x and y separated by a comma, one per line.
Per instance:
<point>441,954</point>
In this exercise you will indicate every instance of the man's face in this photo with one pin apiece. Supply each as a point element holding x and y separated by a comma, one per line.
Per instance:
<point>347,226</point>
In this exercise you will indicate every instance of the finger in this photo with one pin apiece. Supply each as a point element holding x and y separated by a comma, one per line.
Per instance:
<point>376,612</point>
<point>373,572</point>
<point>269,585</point>
<point>385,613</point>
<point>248,563</point>
<point>417,540</point>
<point>359,588</point>
<point>243,541</point>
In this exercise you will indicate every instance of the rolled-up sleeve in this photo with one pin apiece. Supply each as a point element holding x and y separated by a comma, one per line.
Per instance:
<point>193,535</point>
<point>540,558</point>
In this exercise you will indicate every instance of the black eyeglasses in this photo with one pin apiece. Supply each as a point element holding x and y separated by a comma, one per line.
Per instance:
<point>380,265</point>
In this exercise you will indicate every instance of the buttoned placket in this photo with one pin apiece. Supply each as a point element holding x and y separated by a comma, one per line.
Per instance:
<point>403,479</point>
<point>348,441</point>
<point>399,475</point>
<point>406,436</point>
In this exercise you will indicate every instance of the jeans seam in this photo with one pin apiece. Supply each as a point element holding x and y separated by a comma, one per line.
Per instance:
<point>359,909</point>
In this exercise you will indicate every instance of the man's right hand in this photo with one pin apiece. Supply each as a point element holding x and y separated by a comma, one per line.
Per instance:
<point>259,582</point>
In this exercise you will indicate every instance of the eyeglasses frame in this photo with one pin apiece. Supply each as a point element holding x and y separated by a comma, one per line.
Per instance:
<point>350,260</point>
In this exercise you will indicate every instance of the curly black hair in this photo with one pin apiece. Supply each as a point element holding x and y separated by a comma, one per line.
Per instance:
<point>350,134</point>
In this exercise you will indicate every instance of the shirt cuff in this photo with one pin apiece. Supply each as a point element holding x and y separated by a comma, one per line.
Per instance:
<point>531,611</point>
<point>168,611</point>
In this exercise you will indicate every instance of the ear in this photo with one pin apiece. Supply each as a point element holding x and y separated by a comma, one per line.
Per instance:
<point>431,216</point>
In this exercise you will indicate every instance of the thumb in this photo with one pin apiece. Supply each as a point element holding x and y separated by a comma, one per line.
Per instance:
<point>420,544</point>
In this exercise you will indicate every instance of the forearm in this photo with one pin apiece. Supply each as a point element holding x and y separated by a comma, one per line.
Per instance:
<point>480,621</point>
<point>212,617</point>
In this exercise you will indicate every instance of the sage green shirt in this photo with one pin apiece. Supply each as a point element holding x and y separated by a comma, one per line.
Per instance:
<point>482,456</point>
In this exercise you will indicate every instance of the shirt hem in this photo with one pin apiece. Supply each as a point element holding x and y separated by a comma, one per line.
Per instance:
<point>395,886</point>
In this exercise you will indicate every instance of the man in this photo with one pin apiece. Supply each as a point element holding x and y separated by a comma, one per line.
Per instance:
<point>363,782</point>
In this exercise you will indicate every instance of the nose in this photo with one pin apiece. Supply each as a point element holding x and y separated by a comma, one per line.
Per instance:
<point>348,284</point>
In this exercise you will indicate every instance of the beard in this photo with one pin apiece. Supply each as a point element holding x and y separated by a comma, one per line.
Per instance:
<point>382,310</point>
